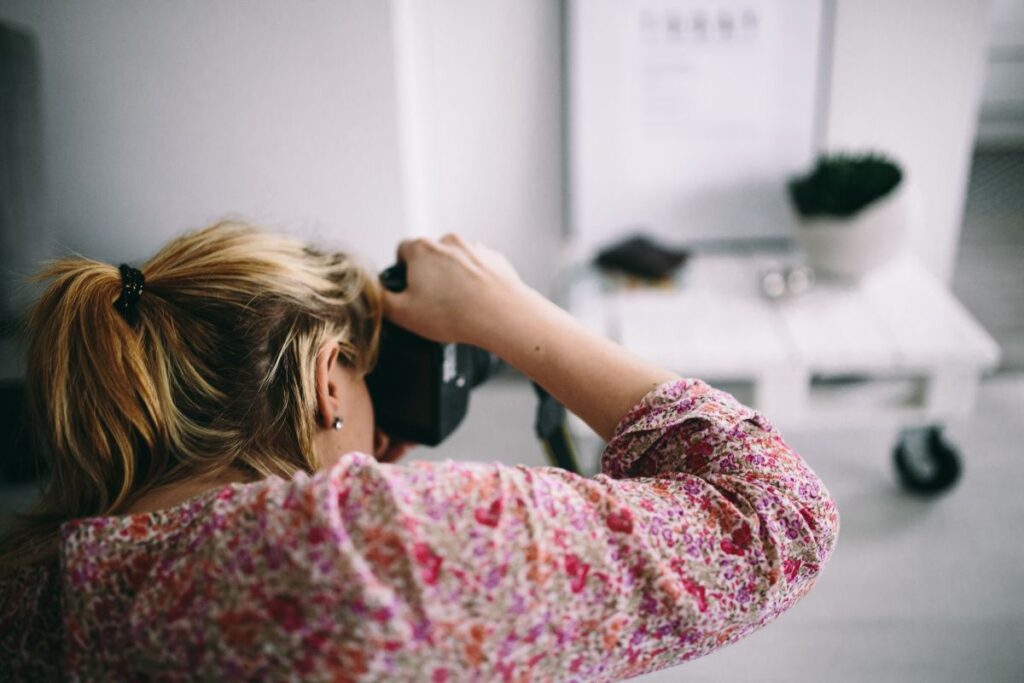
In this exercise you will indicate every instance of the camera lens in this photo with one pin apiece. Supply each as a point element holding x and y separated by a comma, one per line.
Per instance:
<point>482,364</point>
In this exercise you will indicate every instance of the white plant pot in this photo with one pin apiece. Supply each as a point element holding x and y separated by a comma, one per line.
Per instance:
<point>850,248</point>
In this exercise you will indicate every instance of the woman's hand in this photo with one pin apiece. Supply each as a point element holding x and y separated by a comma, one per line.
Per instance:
<point>471,294</point>
<point>455,291</point>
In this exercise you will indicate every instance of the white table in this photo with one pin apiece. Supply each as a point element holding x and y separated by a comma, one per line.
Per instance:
<point>896,349</point>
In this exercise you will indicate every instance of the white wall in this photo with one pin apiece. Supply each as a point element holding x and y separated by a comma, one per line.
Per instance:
<point>161,116</point>
<point>485,116</point>
<point>907,78</point>
<point>482,109</point>
<point>167,115</point>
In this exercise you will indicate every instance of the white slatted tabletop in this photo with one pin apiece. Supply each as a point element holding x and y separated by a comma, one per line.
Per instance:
<point>899,325</point>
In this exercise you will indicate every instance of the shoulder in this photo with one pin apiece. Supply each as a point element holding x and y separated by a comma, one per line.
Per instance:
<point>279,505</point>
<point>219,540</point>
<point>303,524</point>
<point>247,564</point>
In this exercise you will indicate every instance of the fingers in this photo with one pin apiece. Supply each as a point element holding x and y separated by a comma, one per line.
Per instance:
<point>393,303</point>
<point>386,449</point>
<point>469,249</point>
<point>407,249</point>
<point>454,240</point>
<point>407,252</point>
<point>441,275</point>
<point>396,451</point>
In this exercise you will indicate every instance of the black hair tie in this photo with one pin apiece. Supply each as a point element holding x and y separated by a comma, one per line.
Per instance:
<point>132,284</point>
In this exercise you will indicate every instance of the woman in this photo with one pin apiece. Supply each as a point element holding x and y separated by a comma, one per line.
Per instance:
<point>219,506</point>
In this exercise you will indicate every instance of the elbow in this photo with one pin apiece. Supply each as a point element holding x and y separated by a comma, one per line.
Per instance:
<point>829,536</point>
<point>806,531</point>
<point>811,523</point>
<point>816,521</point>
<point>818,511</point>
<point>817,506</point>
<point>798,514</point>
<point>803,563</point>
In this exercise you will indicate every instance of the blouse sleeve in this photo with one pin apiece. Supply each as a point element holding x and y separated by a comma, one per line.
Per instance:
<point>702,527</point>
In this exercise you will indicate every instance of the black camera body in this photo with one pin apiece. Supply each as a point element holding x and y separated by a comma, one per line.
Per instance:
<point>420,388</point>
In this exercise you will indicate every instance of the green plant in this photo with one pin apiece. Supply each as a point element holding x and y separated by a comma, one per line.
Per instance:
<point>842,184</point>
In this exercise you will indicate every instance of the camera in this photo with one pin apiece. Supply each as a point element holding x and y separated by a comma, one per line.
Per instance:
<point>420,388</point>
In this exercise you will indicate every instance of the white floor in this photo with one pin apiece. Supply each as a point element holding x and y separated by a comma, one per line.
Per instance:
<point>917,590</point>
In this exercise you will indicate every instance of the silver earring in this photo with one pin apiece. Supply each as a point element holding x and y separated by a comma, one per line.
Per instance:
<point>337,423</point>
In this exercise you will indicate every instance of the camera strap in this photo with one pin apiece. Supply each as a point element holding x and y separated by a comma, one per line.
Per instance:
<point>553,431</point>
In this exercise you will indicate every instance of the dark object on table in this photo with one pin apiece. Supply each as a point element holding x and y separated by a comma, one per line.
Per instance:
<point>641,257</point>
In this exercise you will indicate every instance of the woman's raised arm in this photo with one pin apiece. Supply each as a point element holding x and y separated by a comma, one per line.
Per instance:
<point>468,293</point>
<point>703,527</point>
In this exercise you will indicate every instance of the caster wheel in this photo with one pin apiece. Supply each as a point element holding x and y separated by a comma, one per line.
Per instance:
<point>925,462</point>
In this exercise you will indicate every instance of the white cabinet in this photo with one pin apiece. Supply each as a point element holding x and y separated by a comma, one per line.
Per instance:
<point>897,351</point>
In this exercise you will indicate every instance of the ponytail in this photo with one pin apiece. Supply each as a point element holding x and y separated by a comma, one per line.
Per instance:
<point>91,385</point>
<point>210,367</point>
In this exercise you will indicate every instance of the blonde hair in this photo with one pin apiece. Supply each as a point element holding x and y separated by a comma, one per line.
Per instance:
<point>217,372</point>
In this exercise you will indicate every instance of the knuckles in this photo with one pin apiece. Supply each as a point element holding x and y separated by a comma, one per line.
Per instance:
<point>425,244</point>
<point>414,245</point>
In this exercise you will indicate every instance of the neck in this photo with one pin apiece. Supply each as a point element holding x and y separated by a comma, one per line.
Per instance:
<point>175,493</point>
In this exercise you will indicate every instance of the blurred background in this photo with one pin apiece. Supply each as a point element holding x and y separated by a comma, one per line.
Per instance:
<point>888,346</point>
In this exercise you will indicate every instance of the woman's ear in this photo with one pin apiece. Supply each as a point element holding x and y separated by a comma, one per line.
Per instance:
<point>327,389</point>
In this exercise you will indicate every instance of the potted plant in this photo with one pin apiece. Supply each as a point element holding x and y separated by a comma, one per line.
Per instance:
<point>852,213</point>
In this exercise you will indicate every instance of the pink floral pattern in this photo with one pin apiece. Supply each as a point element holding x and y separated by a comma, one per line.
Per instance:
<point>703,526</point>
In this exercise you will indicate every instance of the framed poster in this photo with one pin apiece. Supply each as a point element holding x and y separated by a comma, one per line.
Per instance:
<point>686,117</point>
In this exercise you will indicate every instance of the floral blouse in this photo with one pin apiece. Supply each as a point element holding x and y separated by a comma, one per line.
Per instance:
<point>702,527</point>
